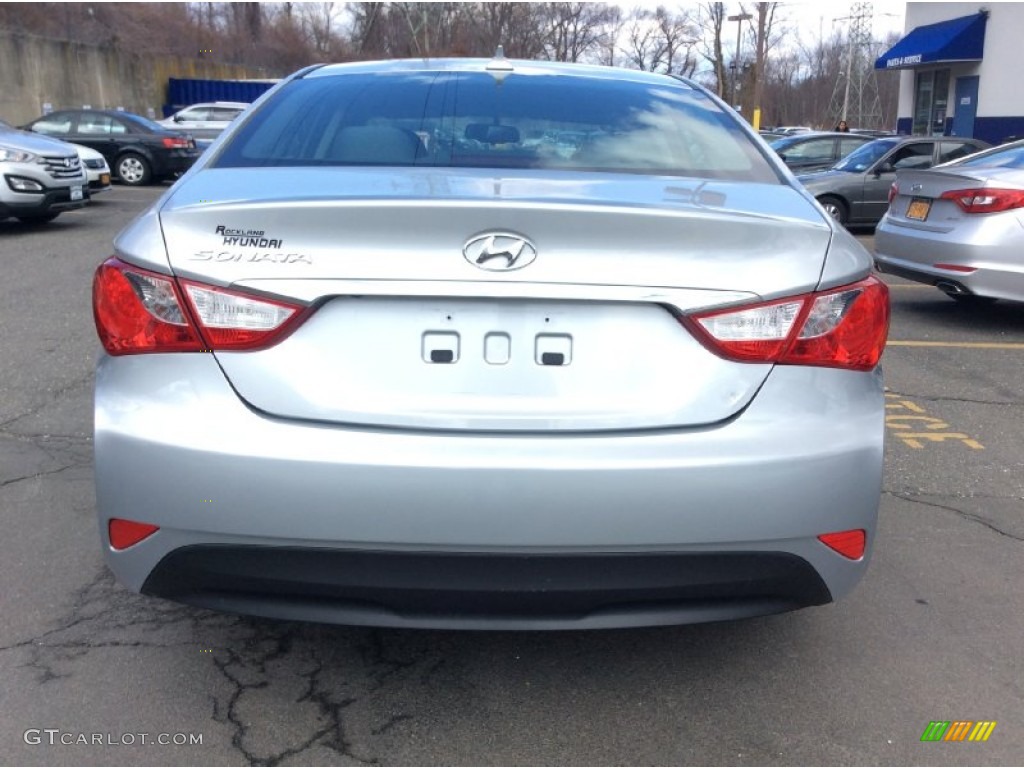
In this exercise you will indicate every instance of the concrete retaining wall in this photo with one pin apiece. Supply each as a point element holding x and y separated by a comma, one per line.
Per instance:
<point>35,71</point>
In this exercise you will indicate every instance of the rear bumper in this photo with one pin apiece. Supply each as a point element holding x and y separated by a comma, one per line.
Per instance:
<point>176,448</point>
<point>175,161</point>
<point>991,248</point>
<point>472,591</point>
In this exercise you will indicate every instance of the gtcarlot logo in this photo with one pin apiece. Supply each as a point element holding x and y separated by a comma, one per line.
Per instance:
<point>55,736</point>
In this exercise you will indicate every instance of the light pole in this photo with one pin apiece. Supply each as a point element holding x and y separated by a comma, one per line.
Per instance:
<point>739,18</point>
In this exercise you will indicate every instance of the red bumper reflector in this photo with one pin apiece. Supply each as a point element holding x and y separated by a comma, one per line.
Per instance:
<point>125,533</point>
<point>847,543</point>
<point>955,268</point>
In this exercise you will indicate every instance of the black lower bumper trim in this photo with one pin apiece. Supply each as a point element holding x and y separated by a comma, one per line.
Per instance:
<point>949,285</point>
<point>479,590</point>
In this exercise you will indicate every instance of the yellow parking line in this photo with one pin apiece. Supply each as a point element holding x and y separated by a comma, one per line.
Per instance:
<point>957,344</point>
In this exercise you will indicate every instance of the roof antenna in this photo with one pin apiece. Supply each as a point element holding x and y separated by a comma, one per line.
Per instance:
<point>499,66</point>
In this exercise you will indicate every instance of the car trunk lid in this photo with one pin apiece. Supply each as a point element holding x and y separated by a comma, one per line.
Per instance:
<point>410,332</point>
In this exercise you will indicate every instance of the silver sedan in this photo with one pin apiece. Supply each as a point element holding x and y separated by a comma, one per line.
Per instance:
<point>960,227</point>
<point>489,344</point>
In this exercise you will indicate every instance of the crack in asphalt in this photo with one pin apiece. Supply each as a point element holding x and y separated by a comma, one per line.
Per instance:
<point>23,478</point>
<point>945,399</point>
<point>395,720</point>
<point>52,398</point>
<point>966,515</point>
<point>34,436</point>
<point>289,688</point>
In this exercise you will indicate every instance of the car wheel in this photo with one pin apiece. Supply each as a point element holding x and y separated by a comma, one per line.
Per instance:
<point>835,208</point>
<point>971,300</point>
<point>134,170</point>
<point>38,218</point>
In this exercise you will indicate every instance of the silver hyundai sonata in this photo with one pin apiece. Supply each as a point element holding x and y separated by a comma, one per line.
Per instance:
<point>959,227</point>
<point>489,344</point>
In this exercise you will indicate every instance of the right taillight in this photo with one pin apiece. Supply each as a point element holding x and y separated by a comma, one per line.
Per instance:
<point>139,311</point>
<point>986,199</point>
<point>839,328</point>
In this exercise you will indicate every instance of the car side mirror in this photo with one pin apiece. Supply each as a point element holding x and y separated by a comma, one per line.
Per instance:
<point>884,168</point>
<point>179,119</point>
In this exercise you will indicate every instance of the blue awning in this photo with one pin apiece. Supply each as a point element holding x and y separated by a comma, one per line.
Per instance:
<point>960,39</point>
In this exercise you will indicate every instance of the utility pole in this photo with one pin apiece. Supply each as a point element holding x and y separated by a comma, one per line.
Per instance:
<point>739,18</point>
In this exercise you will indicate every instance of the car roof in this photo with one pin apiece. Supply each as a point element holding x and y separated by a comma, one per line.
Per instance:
<point>795,137</point>
<point>110,112</point>
<point>239,104</point>
<point>517,66</point>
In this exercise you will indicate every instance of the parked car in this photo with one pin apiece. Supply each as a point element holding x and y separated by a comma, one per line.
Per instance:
<point>429,368</point>
<point>959,227</point>
<point>39,177</point>
<point>804,152</point>
<point>856,190</point>
<point>789,130</point>
<point>96,168</point>
<point>205,121</point>
<point>138,150</point>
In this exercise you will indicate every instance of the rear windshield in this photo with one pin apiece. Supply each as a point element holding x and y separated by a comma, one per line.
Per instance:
<point>142,121</point>
<point>473,120</point>
<point>1008,157</point>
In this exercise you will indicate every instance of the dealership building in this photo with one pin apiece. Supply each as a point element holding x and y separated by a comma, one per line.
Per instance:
<point>962,70</point>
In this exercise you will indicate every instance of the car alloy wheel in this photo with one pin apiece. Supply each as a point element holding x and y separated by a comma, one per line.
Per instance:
<point>834,208</point>
<point>133,170</point>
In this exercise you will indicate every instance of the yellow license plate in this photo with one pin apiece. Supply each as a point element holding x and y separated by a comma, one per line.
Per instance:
<point>919,209</point>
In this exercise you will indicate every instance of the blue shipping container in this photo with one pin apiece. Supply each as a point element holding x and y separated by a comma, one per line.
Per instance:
<point>183,92</point>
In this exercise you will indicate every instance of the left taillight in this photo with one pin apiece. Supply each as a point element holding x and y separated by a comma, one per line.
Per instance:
<point>138,311</point>
<point>174,142</point>
<point>839,328</point>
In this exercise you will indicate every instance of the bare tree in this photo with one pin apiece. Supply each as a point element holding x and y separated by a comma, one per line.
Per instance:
<point>710,20</point>
<point>679,35</point>
<point>317,21</point>
<point>765,20</point>
<point>518,27</point>
<point>645,48</point>
<point>661,41</point>
<point>575,29</point>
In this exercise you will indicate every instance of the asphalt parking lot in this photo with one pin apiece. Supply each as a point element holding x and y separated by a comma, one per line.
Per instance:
<point>94,674</point>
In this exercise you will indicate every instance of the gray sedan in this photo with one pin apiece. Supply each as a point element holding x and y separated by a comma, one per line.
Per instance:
<point>484,344</point>
<point>960,227</point>
<point>856,190</point>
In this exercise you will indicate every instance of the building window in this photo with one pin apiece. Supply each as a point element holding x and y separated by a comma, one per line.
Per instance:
<point>931,98</point>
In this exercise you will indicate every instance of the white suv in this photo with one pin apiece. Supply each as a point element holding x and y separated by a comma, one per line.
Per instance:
<point>39,177</point>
